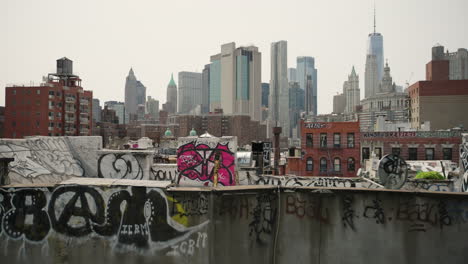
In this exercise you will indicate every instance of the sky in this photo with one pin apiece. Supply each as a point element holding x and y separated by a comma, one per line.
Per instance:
<point>106,38</point>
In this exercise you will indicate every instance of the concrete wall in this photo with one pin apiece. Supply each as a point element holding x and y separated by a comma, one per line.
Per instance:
<point>121,221</point>
<point>50,159</point>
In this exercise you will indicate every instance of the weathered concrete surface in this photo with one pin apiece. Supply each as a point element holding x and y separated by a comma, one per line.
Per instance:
<point>50,159</point>
<point>106,221</point>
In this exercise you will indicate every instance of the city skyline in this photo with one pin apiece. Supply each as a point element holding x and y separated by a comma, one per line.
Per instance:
<point>102,59</point>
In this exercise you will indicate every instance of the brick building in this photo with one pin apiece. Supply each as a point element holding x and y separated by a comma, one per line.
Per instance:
<point>439,99</point>
<point>328,149</point>
<point>57,107</point>
<point>430,145</point>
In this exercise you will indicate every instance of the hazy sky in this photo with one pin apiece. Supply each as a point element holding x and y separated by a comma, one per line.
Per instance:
<point>157,38</point>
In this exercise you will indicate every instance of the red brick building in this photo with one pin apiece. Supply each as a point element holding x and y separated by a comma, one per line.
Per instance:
<point>58,107</point>
<point>431,145</point>
<point>441,101</point>
<point>328,149</point>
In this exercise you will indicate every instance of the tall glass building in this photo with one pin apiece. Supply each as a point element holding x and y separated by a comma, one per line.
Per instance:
<point>306,75</point>
<point>375,47</point>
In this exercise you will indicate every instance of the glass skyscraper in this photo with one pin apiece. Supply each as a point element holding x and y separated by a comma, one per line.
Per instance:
<point>306,75</point>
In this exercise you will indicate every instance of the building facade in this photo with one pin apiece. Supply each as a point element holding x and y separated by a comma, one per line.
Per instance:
<point>328,149</point>
<point>235,81</point>
<point>190,91</point>
<point>458,61</point>
<point>296,105</point>
<point>152,108</point>
<point>120,111</point>
<point>171,97</point>
<point>96,110</point>
<point>205,106</point>
<point>135,94</point>
<point>307,77</point>
<point>279,88</point>
<point>439,100</point>
<point>352,92</point>
<point>371,82</point>
<point>58,107</point>
<point>388,102</point>
<point>292,75</point>
<point>412,145</point>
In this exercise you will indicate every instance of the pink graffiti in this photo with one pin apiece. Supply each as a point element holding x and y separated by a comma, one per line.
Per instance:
<point>197,163</point>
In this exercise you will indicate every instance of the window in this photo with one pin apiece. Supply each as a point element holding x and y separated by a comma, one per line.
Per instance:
<point>336,140</point>
<point>323,165</point>
<point>378,152</point>
<point>447,153</point>
<point>365,153</point>
<point>38,91</point>
<point>337,165</point>
<point>396,151</point>
<point>412,154</point>
<point>14,92</point>
<point>13,124</point>
<point>309,164</point>
<point>351,164</point>
<point>309,140</point>
<point>323,140</point>
<point>430,154</point>
<point>51,124</point>
<point>51,93</point>
<point>350,140</point>
<point>37,123</point>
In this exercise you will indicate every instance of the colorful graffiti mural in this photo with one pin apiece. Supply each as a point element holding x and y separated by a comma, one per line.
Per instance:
<point>196,160</point>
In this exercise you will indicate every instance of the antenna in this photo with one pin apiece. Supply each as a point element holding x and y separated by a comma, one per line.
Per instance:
<point>374,16</point>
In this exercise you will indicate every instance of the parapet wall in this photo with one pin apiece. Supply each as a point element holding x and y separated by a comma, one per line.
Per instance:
<point>121,221</point>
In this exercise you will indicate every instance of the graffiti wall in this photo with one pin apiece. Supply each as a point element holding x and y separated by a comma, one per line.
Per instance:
<point>164,172</point>
<point>125,164</point>
<point>50,159</point>
<point>87,222</point>
<point>464,164</point>
<point>196,159</point>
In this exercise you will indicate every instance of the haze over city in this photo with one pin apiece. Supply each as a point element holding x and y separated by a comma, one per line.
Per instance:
<point>106,38</point>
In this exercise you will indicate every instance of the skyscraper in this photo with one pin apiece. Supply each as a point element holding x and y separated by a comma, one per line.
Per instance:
<point>171,97</point>
<point>265,94</point>
<point>205,108</point>
<point>296,104</point>
<point>119,109</point>
<point>135,93</point>
<point>307,78</point>
<point>279,88</point>
<point>372,80</point>
<point>374,65</point>
<point>352,92</point>
<point>96,110</point>
<point>235,81</point>
<point>190,91</point>
<point>152,108</point>
<point>292,75</point>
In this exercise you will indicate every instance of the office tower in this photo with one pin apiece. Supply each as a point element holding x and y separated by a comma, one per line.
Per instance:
<point>205,108</point>
<point>265,94</point>
<point>374,65</point>
<point>120,111</point>
<point>279,88</point>
<point>372,80</point>
<point>190,91</point>
<point>152,108</point>
<point>307,78</point>
<point>235,81</point>
<point>352,92</point>
<point>58,107</point>
<point>292,75</point>
<point>135,94</point>
<point>296,104</point>
<point>171,97</point>
<point>96,110</point>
